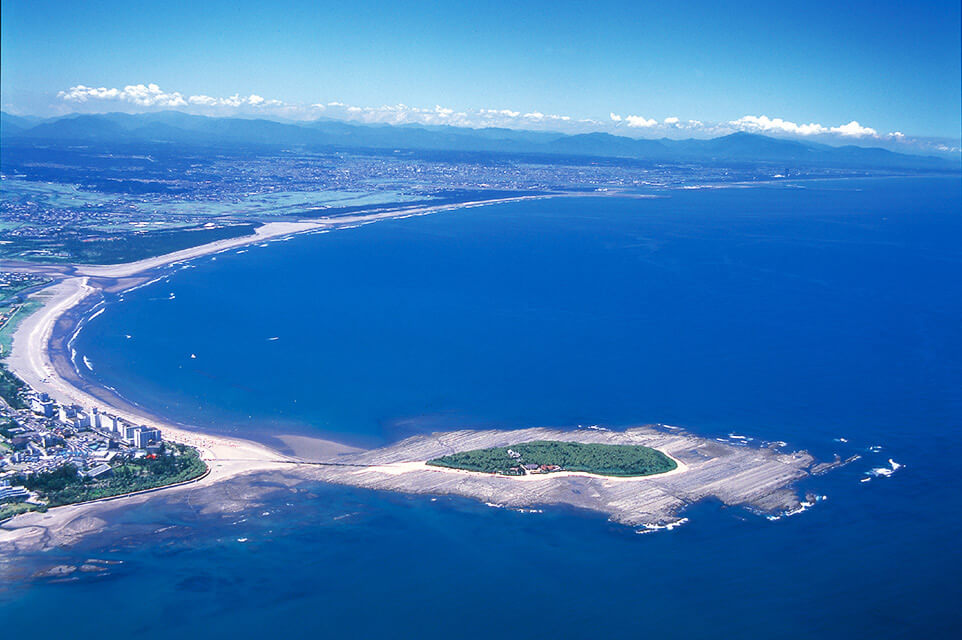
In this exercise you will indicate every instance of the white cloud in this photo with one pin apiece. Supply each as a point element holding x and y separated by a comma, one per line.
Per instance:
<point>776,125</point>
<point>493,113</point>
<point>640,121</point>
<point>152,96</point>
<point>202,100</point>
<point>140,97</point>
<point>149,95</point>
<point>537,116</point>
<point>854,130</point>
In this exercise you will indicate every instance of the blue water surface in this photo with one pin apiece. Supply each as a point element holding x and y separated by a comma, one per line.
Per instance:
<point>795,313</point>
<point>808,313</point>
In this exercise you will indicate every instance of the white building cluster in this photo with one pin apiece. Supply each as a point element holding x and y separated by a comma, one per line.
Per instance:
<point>50,435</point>
<point>139,436</point>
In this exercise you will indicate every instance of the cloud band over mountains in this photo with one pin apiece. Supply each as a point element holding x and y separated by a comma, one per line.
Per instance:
<point>141,97</point>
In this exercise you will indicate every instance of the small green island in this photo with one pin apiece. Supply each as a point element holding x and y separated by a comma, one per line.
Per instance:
<point>551,456</point>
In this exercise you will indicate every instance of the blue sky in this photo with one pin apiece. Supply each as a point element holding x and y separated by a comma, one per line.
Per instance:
<point>892,67</point>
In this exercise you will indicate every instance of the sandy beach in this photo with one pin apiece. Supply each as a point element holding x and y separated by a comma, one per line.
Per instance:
<point>30,360</point>
<point>268,231</point>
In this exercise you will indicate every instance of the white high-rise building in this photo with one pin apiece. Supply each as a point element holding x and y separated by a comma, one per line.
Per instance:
<point>127,432</point>
<point>144,436</point>
<point>42,405</point>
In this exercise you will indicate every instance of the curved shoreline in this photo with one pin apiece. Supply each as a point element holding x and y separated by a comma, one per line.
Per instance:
<point>32,356</point>
<point>32,360</point>
<point>759,478</point>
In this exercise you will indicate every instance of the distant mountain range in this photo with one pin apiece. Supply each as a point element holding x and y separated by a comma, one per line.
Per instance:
<point>171,127</point>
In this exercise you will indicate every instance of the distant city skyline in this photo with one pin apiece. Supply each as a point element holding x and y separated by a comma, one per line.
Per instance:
<point>879,74</point>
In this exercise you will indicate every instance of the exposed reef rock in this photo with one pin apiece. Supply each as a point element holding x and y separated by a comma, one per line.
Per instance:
<point>760,479</point>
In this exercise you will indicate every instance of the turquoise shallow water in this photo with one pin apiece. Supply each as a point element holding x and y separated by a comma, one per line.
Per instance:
<point>805,313</point>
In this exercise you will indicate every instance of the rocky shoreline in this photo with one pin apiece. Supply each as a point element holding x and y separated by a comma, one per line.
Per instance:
<point>758,478</point>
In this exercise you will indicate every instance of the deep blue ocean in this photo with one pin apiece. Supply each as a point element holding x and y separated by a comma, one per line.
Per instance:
<point>825,314</point>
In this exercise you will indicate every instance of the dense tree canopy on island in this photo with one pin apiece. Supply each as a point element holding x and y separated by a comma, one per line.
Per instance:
<point>602,459</point>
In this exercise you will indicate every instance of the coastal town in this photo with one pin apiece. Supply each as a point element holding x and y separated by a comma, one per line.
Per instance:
<point>79,445</point>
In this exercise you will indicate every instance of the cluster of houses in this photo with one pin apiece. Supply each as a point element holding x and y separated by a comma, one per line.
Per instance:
<point>530,467</point>
<point>50,435</point>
